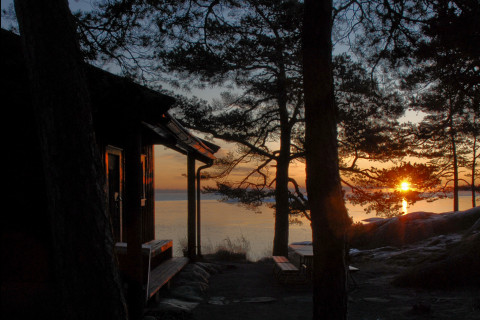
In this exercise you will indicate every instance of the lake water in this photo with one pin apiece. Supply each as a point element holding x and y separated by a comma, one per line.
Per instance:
<point>220,221</point>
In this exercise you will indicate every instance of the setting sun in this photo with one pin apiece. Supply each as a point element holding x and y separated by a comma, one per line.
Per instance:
<point>405,186</point>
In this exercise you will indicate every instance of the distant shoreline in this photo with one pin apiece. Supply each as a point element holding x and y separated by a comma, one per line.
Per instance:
<point>180,195</point>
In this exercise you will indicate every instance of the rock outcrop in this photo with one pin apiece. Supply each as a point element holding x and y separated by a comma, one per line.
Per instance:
<point>410,228</point>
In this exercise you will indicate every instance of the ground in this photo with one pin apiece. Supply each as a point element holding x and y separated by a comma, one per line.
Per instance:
<point>244,291</point>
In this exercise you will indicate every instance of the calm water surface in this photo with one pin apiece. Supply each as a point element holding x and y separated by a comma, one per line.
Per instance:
<point>229,220</point>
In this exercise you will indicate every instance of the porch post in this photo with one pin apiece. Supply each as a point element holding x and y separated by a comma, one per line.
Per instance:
<point>199,243</point>
<point>133,194</point>
<point>191,206</point>
<point>199,226</point>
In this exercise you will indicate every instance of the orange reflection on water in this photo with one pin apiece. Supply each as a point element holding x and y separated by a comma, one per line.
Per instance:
<point>404,206</point>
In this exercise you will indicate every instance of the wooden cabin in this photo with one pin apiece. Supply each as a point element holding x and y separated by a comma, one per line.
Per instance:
<point>129,120</point>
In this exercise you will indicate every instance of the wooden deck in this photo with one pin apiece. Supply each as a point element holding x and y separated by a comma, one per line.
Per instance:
<point>163,273</point>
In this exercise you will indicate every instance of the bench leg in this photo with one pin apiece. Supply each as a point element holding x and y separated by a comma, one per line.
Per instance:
<point>352,281</point>
<point>276,270</point>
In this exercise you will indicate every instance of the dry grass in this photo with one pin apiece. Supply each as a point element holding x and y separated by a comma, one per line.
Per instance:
<point>229,249</point>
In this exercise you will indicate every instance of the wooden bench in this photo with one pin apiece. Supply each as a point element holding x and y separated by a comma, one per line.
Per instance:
<point>162,274</point>
<point>284,270</point>
<point>159,267</point>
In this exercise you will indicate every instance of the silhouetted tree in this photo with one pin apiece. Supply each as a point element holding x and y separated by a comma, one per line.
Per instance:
<point>84,263</point>
<point>447,86</point>
<point>252,45</point>
<point>431,43</point>
<point>368,133</point>
<point>403,33</point>
<point>472,131</point>
<point>325,196</point>
<point>439,136</point>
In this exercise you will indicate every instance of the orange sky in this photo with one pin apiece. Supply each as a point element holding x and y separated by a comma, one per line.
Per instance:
<point>171,166</point>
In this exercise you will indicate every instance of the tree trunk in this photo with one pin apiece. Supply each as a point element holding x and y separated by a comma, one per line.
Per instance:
<point>282,210</point>
<point>327,208</point>
<point>474,204</point>
<point>280,241</point>
<point>455,162</point>
<point>85,267</point>
<point>455,175</point>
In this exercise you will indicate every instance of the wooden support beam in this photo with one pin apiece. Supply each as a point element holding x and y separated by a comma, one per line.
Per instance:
<point>199,243</point>
<point>132,202</point>
<point>191,224</point>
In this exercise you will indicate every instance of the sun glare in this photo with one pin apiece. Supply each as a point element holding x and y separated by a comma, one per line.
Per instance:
<point>405,186</point>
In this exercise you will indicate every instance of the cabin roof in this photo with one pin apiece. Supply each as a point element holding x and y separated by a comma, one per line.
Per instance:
<point>114,100</point>
<point>177,137</point>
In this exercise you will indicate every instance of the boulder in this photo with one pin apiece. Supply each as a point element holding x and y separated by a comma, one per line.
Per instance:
<point>198,285</point>
<point>175,305</point>
<point>211,268</point>
<point>197,270</point>
<point>192,276</point>
<point>187,293</point>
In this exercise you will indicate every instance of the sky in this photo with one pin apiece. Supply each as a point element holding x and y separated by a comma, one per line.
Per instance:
<point>170,165</point>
